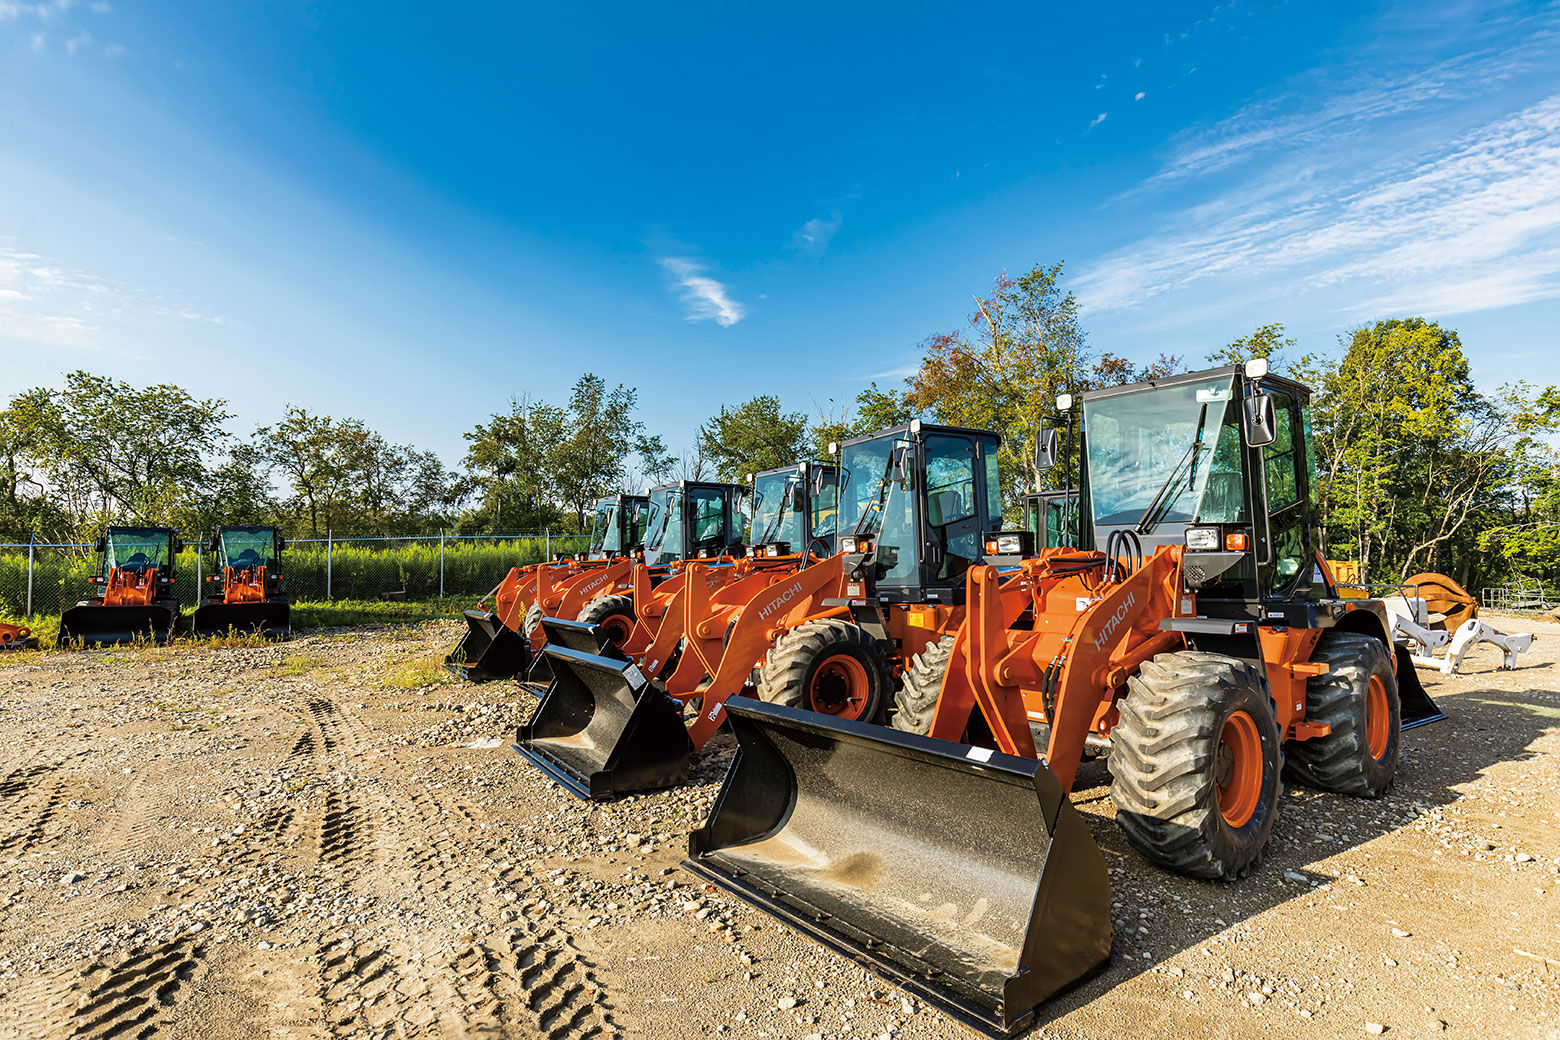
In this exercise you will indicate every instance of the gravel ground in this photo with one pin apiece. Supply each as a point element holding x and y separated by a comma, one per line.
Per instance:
<point>316,840</point>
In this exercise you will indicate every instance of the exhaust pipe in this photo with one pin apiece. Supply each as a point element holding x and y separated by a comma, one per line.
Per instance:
<point>960,874</point>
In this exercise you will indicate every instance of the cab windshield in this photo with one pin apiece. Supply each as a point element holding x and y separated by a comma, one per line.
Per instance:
<point>825,505</point>
<point>664,532</point>
<point>1168,455</point>
<point>136,550</point>
<point>604,535</point>
<point>872,503</point>
<point>775,518</point>
<point>246,549</point>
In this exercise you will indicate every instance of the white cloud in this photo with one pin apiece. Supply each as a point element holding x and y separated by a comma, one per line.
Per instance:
<point>704,297</point>
<point>38,40</point>
<point>75,43</point>
<point>1098,120</point>
<point>1139,96</point>
<point>1467,224</point>
<point>813,237</point>
<point>45,302</point>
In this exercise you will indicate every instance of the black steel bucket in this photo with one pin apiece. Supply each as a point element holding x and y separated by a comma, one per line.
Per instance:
<point>1414,704</point>
<point>93,624</point>
<point>602,730</point>
<point>271,619</point>
<point>488,651</point>
<point>962,875</point>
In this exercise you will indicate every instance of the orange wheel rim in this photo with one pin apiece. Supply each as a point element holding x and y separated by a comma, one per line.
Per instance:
<point>839,687</point>
<point>617,629</point>
<point>1238,769</point>
<point>1378,717</point>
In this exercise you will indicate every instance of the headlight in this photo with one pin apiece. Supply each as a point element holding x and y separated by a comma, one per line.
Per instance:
<point>1009,544</point>
<point>852,544</point>
<point>1202,538</point>
<point>771,550</point>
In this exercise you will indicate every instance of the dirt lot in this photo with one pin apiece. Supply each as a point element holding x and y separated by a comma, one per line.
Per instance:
<point>326,839</point>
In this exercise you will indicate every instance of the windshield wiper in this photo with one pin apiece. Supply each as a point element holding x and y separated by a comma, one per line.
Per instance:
<point>1163,500</point>
<point>882,495</point>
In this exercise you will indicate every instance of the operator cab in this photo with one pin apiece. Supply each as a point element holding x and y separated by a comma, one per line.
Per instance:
<point>795,509</point>
<point>1051,517</point>
<point>1216,461</point>
<point>245,548</point>
<point>136,550</point>
<point>619,527</point>
<point>694,519</point>
<point>914,502</point>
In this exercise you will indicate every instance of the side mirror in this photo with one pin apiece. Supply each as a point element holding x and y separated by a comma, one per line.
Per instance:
<point>215,545</point>
<point>1046,452</point>
<point>1261,421</point>
<point>281,544</point>
<point>101,545</point>
<point>899,468</point>
<point>178,545</point>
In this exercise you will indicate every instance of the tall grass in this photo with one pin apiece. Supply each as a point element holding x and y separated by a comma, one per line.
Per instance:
<point>358,571</point>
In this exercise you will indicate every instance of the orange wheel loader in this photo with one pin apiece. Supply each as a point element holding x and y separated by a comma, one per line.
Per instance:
<point>827,636</point>
<point>250,599</point>
<point>137,600</point>
<point>495,643</point>
<point>1201,648</point>
<point>612,720</point>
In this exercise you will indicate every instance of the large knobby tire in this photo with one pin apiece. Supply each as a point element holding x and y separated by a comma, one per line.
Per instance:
<point>533,620</point>
<point>921,685</point>
<point>1359,699</point>
<point>615,615</point>
<point>832,667</point>
<point>1195,764</point>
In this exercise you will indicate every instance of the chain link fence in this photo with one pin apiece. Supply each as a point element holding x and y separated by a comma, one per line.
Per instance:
<point>41,579</point>
<point>1528,594</point>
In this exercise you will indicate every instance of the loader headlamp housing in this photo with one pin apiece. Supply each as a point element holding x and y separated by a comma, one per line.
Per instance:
<point>1008,543</point>
<point>1202,538</point>
<point>852,544</point>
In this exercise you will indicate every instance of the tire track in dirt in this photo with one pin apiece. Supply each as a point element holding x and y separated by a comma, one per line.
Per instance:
<point>133,996</point>
<point>30,799</point>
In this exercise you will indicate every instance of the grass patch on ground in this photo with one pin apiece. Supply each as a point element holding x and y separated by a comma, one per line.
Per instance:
<point>299,664</point>
<point>347,612</point>
<point>417,673</point>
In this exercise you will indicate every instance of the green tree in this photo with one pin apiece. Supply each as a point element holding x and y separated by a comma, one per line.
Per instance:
<point>591,460</point>
<point>1411,457</point>
<point>1266,341</point>
<point>755,435</point>
<point>509,460</point>
<point>116,452</point>
<point>1024,347</point>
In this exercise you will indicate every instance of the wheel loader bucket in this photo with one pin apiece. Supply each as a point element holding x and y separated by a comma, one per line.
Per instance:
<point>961,875</point>
<point>489,650</point>
<point>602,729</point>
<point>271,619</point>
<point>1415,707</point>
<point>94,624</point>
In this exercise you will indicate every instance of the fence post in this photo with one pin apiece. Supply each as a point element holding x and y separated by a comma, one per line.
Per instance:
<point>441,563</point>
<point>330,547</point>
<point>549,545</point>
<point>200,560</point>
<point>30,540</point>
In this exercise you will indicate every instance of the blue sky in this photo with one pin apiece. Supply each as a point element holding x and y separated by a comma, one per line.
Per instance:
<point>411,213</point>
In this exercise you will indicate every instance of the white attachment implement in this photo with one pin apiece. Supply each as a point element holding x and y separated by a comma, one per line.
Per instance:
<point>1411,627</point>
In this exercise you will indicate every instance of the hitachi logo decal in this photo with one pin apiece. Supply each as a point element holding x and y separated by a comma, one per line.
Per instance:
<point>595,583</point>
<point>1114,621</point>
<point>784,596</point>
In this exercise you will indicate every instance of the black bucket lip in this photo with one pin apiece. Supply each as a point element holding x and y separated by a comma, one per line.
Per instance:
<point>119,635</point>
<point>581,785</point>
<point>273,619</point>
<point>483,627</point>
<point>958,1000</point>
<point>962,1000</point>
